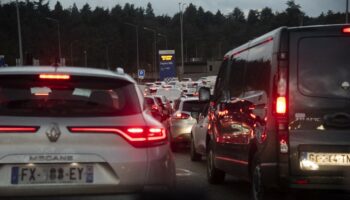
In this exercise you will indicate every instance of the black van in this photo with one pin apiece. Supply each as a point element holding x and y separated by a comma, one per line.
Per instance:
<point>280,113</point>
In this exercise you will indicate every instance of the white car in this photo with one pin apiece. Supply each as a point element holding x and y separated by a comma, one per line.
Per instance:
<point>72,130</point>
<point>198,136</point>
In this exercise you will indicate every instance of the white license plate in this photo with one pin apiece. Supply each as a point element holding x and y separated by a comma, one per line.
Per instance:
<point>50,174</point>
<point>331,159</point>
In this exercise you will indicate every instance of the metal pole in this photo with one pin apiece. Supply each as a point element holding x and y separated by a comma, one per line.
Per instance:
<point>165,38</point>
<point>107,57</point>
<point>85,55</point>
<point>59,41</point>
<point>71,54</point>
<point>347,12</point>
<point>19,35</point>
<point>137,44</point>
<point>182,42</point>
<point>155,53</point>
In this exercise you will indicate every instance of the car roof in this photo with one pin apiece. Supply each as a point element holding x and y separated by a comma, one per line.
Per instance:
<point>80,71</point>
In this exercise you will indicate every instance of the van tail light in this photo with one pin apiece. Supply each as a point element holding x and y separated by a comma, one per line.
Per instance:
<point>54,76</point>
<point>136,136</point>
<point>346,30</point>
<point>18,129</point>
<point>181,115</point>
<point>281,105</point>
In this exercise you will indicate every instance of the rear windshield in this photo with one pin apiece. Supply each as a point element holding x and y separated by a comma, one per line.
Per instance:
<point>27,95</point>
<point>193,106</point>
<point>324,67</point>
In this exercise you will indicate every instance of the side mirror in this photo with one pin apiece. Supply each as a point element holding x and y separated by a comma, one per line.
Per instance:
<point>204,94</point>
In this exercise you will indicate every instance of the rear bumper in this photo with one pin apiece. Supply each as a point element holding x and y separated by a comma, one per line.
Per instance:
<point>181,132</point>
<point>48,190</point>
<point>320,183</point>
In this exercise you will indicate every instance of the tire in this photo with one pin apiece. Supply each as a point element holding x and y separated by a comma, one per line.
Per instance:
<point>214,175</point>
<point>193,154</point>
<point>257,188</point>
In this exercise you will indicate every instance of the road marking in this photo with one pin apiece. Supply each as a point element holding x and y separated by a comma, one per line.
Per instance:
<point>183,172</point>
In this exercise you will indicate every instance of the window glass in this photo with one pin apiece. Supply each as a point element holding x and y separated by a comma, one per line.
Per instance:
<point>323,66</point>
<point>236,75</point>
<point>27,95</point>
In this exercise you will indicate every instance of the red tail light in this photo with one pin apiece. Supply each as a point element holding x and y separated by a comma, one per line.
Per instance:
<point>281,105</point>
<point>346,30</point>
<point>54,76</point>
<point>154,107</point>
<point>18,129</point>
<point>180,115</point>
<point>136,136</point>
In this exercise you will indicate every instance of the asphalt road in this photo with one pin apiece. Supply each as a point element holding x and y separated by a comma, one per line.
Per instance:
<point>192,184</point>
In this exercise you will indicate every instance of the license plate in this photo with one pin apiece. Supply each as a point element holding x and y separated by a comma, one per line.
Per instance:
<point>51,174</point>
<point>335,159</point>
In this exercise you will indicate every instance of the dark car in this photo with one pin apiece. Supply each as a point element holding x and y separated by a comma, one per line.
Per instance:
<point>280,113</point>
<point>165,104</point>
<point>155,109</point>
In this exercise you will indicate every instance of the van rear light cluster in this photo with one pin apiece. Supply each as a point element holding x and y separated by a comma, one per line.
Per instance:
<point>18,129</point>
<point>281,103</point>
<point>181,115</point>
<point>136,136</point>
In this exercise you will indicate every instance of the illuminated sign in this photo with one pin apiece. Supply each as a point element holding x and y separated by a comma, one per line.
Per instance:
<point>166,57</point>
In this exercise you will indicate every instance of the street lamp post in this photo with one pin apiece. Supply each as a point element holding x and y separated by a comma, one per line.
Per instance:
<point>347,12</point>
<point>166,39</point>
<point>19,35</point>
<point>71,52</point>
<point>59,36</point>
<point>155,47</point>
<point>137,44</point>
<point>181,7</point>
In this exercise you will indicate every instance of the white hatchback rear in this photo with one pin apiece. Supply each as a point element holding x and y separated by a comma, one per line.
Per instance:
<point>78,131</point>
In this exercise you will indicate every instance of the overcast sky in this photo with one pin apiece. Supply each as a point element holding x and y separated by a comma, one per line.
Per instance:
<point>170,7</point>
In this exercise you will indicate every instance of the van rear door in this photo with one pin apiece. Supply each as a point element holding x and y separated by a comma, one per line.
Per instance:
<point>319,102</point>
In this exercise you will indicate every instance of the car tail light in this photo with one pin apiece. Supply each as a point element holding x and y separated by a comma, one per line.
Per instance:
<point>18,129</point>
<point>136,136</point>
<point>154,107</point>
<point>181,115</point>
<point>346,30</point>
<point>54,76</point>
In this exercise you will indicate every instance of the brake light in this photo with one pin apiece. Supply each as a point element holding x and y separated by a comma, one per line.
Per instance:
<point>20,129</point>
<point>54,76</point>
<point>180,115</point>
<point>154,107</point>
<point>346,30</point>
<point>281,105</point>
<point>136,136</point>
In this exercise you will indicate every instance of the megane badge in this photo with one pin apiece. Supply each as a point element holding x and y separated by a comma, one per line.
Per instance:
<point>53,132</point>
<point>345,85</point>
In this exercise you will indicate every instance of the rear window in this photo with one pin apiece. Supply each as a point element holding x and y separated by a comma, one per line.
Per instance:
<point>193,106</point>
<point>27,95</point>
<point>149,101</point>
<point>324,67</point>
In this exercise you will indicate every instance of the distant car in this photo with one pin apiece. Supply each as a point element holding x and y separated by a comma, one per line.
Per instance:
<point>159,83</point>
<point>186,79</point>
<point>198,135</point>
<point>165,104</point>
<point>154,107</point>
<point>170,93</point>
<point>182,120</point>
<point>66,130</point>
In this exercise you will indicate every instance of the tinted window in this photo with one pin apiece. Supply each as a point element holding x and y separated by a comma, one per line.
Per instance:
<point>193,106</point>
<point>80,96</point>
<point>323,66</point>
<point>218,91</point>
<point>236,76</point>
<point>149,101</point>
<point>257,75</point>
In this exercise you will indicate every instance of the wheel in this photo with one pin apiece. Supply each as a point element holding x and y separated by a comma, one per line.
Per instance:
<point>194,155</point>
<point>257,188</point>
<point>214,175</point>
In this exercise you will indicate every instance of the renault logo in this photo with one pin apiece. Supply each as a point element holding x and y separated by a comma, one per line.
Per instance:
<point>53,132</point>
